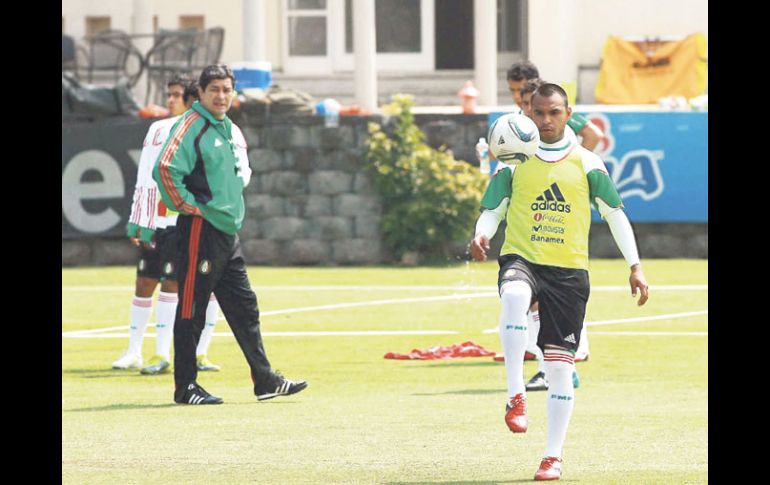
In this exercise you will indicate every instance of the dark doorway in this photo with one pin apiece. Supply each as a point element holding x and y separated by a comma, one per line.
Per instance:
<point>454,34</point>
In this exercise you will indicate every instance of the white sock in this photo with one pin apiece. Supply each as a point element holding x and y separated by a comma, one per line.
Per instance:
<point>583,345</point>
<point>164,328</point>
<point>560,399</point>
<point>141,308</point>
<point>533,320</point>
<point>212,312</point>
<point>515,298</point>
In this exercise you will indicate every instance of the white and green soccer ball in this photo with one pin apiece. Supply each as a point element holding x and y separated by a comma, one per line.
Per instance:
<point>513,138</point>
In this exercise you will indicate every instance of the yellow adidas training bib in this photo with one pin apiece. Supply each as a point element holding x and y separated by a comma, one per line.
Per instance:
<point>549,215</point>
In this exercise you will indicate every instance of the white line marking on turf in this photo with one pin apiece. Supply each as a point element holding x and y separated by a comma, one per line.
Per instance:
<point>336,306</point>
<point>629,320</point>
<point>655,334</point>
<point>355,333</point>
<point>646,319</point>
<point>389,288</point>
<point>360,333</point>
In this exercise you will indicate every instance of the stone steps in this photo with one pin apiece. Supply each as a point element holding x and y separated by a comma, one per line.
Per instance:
<point>436,88</point>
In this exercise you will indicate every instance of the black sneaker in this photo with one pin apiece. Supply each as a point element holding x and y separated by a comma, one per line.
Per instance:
<point>282,387</point>
<point>537,383</point>
<point>195,394</point>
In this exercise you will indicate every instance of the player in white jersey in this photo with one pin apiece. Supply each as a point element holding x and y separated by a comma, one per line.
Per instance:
<point>152,228</point>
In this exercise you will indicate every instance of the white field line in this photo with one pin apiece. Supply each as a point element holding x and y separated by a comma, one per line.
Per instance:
<point>337,306</point>
<point>655,334</point>
<point>629,320</point>
<point>259,289</point>
<point>342,333</point>
<point>374,333</point>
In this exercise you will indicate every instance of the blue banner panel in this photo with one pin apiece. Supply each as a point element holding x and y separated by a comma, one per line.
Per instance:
<point>658,161</point>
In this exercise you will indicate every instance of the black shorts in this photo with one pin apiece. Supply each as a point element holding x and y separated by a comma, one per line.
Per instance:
<point>562,294</point>
<point>160,262</point>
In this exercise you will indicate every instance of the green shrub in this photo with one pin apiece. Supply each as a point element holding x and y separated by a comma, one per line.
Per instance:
<point>429,199</point>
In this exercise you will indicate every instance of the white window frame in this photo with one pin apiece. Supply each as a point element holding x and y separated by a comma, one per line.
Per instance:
<point>418,62</point>
<point>306,64</point>
<point>506,58</point>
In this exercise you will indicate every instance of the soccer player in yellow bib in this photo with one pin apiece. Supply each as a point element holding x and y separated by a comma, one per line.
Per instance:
<point>547,202</point>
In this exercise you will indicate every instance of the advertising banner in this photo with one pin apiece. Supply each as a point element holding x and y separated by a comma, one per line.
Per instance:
<point>658,161</point>
<point>98,165</point>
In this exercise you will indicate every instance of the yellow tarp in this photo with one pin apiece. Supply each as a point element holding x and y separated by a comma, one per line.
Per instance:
<point>643,72</point>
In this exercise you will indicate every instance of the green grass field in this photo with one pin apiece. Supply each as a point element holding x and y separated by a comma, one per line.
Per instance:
<point>640,417</point>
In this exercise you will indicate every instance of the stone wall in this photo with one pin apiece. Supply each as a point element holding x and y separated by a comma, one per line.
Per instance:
<point>309,202</point>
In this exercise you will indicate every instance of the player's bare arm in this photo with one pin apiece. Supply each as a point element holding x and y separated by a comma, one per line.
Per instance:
<point>479,247</point>
<point>638,281</point>
<point>591,135</point>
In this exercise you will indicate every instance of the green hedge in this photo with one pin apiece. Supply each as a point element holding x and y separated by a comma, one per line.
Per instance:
<point>429,199</point>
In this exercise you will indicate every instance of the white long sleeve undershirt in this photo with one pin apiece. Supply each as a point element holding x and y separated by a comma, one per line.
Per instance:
<point>620,227</point>
<point>621,231</point>
<point>490,219</point>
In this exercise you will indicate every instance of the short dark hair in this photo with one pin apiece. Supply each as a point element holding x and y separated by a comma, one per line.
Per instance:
<point>191,91</point>
<point>215,71</point>
<point>548,90</point>
<point>531,85</point>
<point>183,79</point>
<point>522,70</point>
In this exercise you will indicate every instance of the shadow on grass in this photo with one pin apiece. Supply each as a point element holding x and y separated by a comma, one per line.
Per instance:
<point>125,407</point>
<point>463,482</point>
<point>461,393</point>
<point>120,407</point>
<point>102,373</point>
<point>454,363</point>
<point>472,482</point>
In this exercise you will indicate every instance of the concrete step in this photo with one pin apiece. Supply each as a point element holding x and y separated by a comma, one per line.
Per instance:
<point>436,88</point>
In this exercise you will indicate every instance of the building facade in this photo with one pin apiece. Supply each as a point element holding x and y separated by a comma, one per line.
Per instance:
<point>315,37</point>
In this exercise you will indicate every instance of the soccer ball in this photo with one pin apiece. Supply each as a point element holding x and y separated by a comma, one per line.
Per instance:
<point>513,138</point>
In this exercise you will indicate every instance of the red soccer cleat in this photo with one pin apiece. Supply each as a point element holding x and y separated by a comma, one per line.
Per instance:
<point>529,356</point>
<point>516,413</point>
<point>550,469</point>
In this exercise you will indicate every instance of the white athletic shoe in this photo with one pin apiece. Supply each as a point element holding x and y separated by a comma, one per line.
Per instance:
<point>128,361</point>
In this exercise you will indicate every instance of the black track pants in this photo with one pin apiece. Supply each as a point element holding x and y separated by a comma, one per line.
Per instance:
<point>211,261</point>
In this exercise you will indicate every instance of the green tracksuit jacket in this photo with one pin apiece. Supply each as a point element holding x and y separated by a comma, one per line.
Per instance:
<point>197,171</point>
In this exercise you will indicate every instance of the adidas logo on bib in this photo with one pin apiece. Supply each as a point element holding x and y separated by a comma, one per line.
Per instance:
<point>551,200</point>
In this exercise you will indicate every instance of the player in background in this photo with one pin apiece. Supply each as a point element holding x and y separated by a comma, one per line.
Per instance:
<point>151,228</point>
<point>551,269</point>
<point>517,77</point>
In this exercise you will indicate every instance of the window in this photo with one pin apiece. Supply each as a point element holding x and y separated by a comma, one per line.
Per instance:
<point>307,27</point>
<point>510,25</point>
<point>398,26</point>
<point>97,24</point>
<point>191,22</point>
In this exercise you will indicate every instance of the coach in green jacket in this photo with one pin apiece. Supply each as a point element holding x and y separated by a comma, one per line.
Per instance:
<point>197,175</point>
